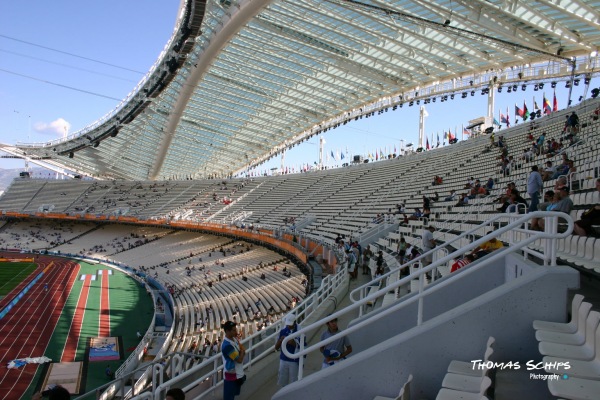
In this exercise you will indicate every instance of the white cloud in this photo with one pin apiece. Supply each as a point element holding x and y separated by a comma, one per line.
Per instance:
<point>54,128</point>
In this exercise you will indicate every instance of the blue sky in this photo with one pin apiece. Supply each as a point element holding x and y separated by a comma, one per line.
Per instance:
<point>66,63</point>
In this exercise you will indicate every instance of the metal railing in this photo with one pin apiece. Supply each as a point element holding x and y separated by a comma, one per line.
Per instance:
<point>518,236</point>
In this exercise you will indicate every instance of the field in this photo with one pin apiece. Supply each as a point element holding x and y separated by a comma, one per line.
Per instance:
<point>11,274</point>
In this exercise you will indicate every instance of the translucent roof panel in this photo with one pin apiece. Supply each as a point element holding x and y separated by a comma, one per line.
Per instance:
<point>243,79</point>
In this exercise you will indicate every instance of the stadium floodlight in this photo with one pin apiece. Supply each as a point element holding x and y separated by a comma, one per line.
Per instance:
<point>523,87</point>
<point>595,93</point>
<point>553,85</point>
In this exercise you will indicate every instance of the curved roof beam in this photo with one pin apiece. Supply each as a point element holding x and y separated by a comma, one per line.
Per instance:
<point>229,26</point>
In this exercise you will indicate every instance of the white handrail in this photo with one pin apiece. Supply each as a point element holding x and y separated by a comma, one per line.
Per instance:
<point>514,226</point>
<point>464,235</point>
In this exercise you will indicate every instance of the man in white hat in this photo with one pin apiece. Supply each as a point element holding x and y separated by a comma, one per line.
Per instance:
<point>288,367</point>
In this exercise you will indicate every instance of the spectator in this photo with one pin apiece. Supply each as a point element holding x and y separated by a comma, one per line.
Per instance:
<point>55,393</point>
<point>534,187</point>
<point>288,367</point>
<point>428,243</point>
<point>416,215</point>
<point>352,266</point>
<point>175,394</point>
<point>504,198</point>
<point>367,254</point>
<point>426,213</point>
<point>591,217</point>
<point>515,200</point>
<point>379,261</point>
<point>540,142</point>
<point>549,171</point>
<point>470,183</point>
<point>573,122</point>
<point>551,198</point>
<point>233,353</point>
<point>486,248</point>
<point>464,199</point>
<point>337,350</point>
<point>489,185</point>
<point>452,196</point>
<point>527,155</point>
<point>401,249</point>
<point>564,204</point>
<point>458,264</point>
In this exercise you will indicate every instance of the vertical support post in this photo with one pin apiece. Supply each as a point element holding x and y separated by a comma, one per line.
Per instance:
<point>420,306</point>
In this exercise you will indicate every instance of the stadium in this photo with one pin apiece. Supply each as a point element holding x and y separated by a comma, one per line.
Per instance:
<point>167,226</point>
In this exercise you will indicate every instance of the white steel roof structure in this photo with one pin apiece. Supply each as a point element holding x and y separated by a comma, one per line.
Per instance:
<point>239,81</point>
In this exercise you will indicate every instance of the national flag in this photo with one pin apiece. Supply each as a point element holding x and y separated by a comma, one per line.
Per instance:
<point>427,145</point>
<point>503,119</point>
<point>525,111</point>
<point>555,103</point>
<point>342,156</point>
<point>535,106</point>
<point>451,136</point>
<point>507,118</point>
<point>496,122</point>
<point>546,105</point>
<point>333,155</point>
<point>395,152</point>
<point>380,154</point>
<point>518,111</point>
<point>438,140</point>
<point>376,155</point>
<point>466,132</point>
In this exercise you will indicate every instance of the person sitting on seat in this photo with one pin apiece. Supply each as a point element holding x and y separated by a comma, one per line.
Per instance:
<point>585,225</point>
<point>416,215</point>
<point>562,203</point>
<point>458,264</point>
<point>486,248</point>
<point>452,196</point>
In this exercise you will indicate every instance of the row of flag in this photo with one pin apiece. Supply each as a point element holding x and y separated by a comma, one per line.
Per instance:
<point>524,113</point>
<point>447,136</point>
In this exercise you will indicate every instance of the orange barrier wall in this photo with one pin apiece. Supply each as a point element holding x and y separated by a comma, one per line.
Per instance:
<point>263,235</point>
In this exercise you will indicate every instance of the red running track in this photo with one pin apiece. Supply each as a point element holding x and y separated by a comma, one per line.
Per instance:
<point>104,326</point>
<point>26,330</point>
<point>70,350</point>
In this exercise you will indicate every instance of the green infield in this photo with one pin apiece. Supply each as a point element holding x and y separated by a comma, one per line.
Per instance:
<point>11,274</point>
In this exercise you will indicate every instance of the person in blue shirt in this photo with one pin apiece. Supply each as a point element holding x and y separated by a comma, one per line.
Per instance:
<point>288,367</point>
<point>233,353</point>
